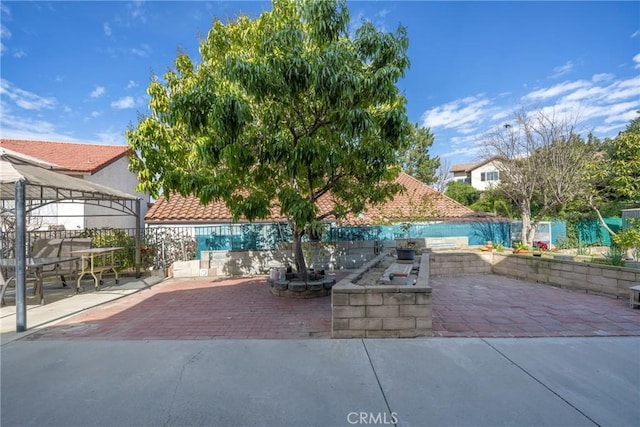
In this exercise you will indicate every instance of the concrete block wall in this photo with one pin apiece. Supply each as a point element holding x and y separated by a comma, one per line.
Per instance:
<point>319,255</point>
<point>382,311</point>
<point>243,263</point>
<point>590,277</point>
<point>595,278</point>
<point>459,263</point>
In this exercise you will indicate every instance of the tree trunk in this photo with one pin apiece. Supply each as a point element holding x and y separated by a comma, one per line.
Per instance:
<point>527,230</point>
<point>301,265</point>
<point>600,218</point>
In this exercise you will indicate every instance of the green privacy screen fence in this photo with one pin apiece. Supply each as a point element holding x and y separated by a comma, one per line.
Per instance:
<point>267,236</point>
<point>591,232</point>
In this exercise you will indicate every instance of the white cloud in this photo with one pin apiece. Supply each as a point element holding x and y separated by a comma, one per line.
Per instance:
<point>471,151</point>
<point>124,103</point>
<point>636,59</point>
<point>561,70</point>
<point>25,99</point>
<point>635,34</point>
<point>4,32</point>
<point>131,84</point>
<point>500,115</point>
<point>624,112</point>
<point>98,92</point>
<point>143,51</point>
<point>382,13</point>
<point>553,91</point>
<point>136,11</point>
<point>107,29</point>
<point>594,92</point>
<point>378,20</point>
<point>460,113</point>
<point>4,35</point>
<point>19,127</point>
<point>19,54</point>
<point>95,114</point>
<point>111,137</point>
<point>604,130</point>
<point>467,129</point>
<point>602,77</point>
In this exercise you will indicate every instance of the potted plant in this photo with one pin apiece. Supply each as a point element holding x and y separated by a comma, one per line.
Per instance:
<point>520,248</point>
<point>407,250</point>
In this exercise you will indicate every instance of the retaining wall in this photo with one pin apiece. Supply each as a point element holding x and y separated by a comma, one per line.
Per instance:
<point>320,255</point>
<point>591,277</point>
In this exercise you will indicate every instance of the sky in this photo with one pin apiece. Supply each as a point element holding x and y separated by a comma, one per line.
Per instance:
<point>78,71</point>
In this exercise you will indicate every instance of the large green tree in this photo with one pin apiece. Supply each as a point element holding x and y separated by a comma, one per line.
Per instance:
<point>615,172</point>
<point>415,159</point>
<point>462,192</point>
<point>278,112</point>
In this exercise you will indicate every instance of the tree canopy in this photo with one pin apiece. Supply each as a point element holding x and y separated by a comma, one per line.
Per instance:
<point>415,159</point>
<point>278,112</point>
<point>623,163</point>
<point>462,192</point>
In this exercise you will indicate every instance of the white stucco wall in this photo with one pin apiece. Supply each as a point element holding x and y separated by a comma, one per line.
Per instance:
<point>459,176</point>
<point>72,215</point>
<point>476,175</point>
<point>116,176</point>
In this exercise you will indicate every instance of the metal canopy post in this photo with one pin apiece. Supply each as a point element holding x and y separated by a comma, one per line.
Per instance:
<point>21,264</point>
<point>138,238</point>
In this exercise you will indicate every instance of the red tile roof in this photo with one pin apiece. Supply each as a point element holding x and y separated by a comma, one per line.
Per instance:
<point>417,202</point>
<point>85,158</point>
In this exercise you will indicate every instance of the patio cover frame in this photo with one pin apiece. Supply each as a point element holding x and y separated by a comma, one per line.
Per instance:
<point>24,178</point>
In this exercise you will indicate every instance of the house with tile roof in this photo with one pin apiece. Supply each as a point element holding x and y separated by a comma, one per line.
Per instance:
<point>480,175</point>
<point>418,202</point>
<point>102,164</point>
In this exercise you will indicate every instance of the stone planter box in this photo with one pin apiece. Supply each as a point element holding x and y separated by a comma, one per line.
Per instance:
<point>382,310</point>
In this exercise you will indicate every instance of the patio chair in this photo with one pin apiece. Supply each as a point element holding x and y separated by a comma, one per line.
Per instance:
<point>41,248</point>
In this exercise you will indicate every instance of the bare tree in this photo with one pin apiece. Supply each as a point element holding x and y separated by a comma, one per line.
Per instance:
<point>541,159</point>
<point>443,175</point>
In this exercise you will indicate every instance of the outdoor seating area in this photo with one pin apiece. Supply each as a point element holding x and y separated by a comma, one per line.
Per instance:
<point>62,260</point>
<point>47,258</point>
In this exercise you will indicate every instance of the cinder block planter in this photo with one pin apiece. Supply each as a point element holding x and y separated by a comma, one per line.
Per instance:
<point>382,310</point>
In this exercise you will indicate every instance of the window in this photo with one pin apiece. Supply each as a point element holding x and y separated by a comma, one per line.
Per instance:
<point>490,176</point>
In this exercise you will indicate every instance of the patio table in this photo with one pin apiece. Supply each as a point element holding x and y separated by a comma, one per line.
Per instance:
<point>106,255</point>
<point>34,265</point>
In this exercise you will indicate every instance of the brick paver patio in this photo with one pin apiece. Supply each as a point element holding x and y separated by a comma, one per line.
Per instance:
<point>497,306</point>
<point>473,306</point>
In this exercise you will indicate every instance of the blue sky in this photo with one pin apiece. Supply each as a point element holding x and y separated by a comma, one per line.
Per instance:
<point>78,71</point>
